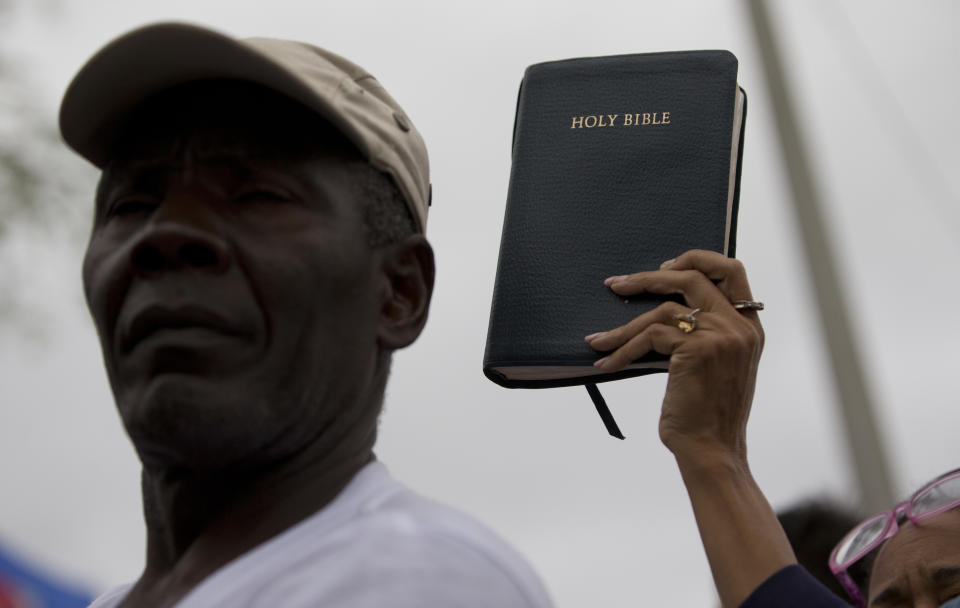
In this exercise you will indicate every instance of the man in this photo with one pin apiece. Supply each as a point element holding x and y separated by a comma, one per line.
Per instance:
<point>257,254</point>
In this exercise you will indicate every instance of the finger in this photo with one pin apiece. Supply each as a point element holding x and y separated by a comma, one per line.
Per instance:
<point>617,337</point>
<point>697,290</point>
<point>658,337</point>
<point>727,273</point>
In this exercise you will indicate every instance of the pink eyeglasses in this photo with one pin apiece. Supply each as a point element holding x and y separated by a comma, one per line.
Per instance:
<point>941,494</point>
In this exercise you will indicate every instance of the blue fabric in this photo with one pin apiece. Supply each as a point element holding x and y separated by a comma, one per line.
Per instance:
<point>954,603</point>
<point>22,584</point>
<point>792,587</point>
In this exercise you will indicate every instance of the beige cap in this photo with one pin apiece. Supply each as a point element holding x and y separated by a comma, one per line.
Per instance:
<point>150,59</point>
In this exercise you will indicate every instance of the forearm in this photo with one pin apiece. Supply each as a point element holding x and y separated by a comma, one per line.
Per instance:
<point>741,535</point>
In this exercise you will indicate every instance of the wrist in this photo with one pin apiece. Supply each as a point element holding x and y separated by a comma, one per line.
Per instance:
<point>711,461</point>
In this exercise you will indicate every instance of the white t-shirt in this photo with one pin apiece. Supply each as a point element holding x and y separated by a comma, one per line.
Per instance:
<point>376,545</point>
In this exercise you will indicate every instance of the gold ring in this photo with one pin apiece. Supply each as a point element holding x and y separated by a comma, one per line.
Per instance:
<point>686,322</point>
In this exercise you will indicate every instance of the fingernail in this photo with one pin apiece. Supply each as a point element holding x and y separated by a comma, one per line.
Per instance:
<point>668,263</point>
<point>610,280</point>
<point>599,362</point>
<point>592,336</point>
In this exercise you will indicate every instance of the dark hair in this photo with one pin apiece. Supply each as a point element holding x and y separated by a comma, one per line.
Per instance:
<point>813,528</point>
<point>386,215</point>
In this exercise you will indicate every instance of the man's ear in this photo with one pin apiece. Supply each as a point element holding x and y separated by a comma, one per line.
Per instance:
<point>408,270</point>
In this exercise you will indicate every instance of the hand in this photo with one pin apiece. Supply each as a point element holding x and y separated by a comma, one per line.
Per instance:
<point>713,369</point>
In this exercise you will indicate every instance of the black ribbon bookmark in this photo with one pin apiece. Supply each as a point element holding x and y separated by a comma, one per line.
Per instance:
<point>604,411</point>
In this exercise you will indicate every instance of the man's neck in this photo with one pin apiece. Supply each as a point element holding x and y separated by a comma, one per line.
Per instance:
<point>196,523</point>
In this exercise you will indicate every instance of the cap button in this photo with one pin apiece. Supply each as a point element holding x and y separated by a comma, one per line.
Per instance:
<point>401,121</point>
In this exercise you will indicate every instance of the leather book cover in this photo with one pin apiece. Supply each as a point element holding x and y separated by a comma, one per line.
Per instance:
<point>619,163</point>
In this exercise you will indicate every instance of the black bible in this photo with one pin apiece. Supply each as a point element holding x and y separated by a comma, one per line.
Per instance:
<point>618,164</point>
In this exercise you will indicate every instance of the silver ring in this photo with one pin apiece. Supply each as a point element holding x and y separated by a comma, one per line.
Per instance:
<point>686,322</point>
<point>748,305</point>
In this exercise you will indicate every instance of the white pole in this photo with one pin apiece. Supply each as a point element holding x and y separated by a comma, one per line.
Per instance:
<point>865,446</point>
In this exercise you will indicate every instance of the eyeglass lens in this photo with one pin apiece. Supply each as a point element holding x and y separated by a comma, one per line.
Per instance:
<point>938,495</point>
<point>868,532</point>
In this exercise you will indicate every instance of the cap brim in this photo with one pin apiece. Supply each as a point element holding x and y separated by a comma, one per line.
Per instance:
<point>154,58</point>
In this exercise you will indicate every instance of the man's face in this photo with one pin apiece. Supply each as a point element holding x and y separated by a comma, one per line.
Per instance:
<point>231,284</point>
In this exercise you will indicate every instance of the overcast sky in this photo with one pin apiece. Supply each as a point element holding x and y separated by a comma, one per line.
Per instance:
<point>605,522</point>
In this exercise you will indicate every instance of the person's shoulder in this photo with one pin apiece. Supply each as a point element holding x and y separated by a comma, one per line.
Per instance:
<point>378,544</point>
<point>793,587</point>
<point>401,549</point>
<point>419,546</point>
<point>111,598</point>
<point>411,516</point>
